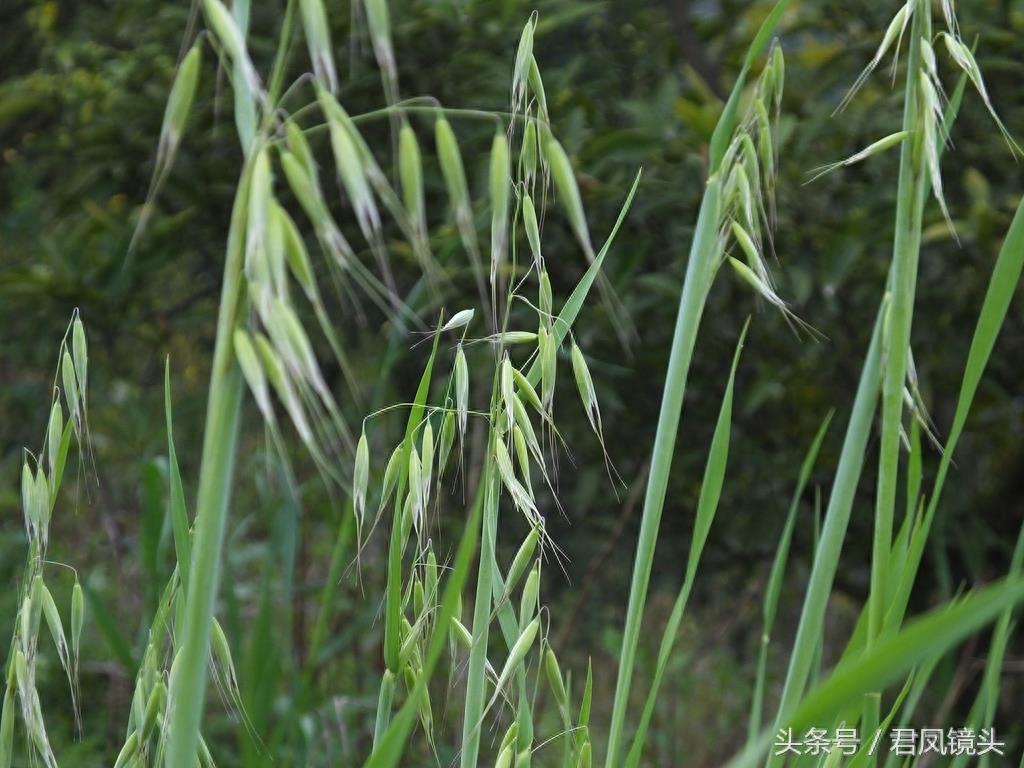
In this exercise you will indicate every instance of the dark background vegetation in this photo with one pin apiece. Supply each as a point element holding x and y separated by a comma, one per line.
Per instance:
<point>630,84</point>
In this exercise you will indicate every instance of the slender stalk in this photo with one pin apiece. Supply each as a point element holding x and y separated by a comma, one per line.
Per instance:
<point>691,307</point>
<point>188,683</point>
<point>391,745</point>
<point>245,103</point>
<point>327,597</point>
<point>699,273</point>
<point>911,196</point>
<point>773,590</point>
<point>284,44</point>
<point>396,547</point>
<point>710,494</point>
<point>509,625</point>
<point>476,679</point>
<point>914,546</point>
<point>837,518</point>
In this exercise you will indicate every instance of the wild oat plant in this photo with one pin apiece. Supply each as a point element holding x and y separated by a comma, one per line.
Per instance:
<point>491,372</point>
<point>41,476</point>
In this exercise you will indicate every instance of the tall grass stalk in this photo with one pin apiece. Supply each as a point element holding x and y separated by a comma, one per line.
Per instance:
<point>833,532</point>
<point>396,543</point>
<point>391,746</point>
<point>475,680</point>
<point>707,506</point>
<point>910,199</point>
<point>691,306</point>
<point>913,531</point>
<point>701,265</point>
<point>187,691</point>
<point>916,181</point>
<point>773,588</point>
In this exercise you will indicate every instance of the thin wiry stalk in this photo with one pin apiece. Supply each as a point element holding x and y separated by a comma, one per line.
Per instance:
<point>339,553</point>
<point>476,694</point>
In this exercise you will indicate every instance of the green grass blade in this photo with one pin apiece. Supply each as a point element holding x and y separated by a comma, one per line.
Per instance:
<point>176,497</point>
<point>111,630</point>
<point>391,747</point>
<point>892,657</point>
<point>691,307</point>
<point>922,639</point>
<point>473,708</point>
<point>1001,287</point>
<point>574,303</point>
<point>774,587</point>
<point>837,517</point>
<point>342,543</point>
<point>727,122</point>
<point>983,710</point>
<point>393,610</point>
<point>151,526</point>
<point>1005,276</point>
<point>707,506</point>
<point>912,532</point>
<point>922,676</point>
<point>863,757</point>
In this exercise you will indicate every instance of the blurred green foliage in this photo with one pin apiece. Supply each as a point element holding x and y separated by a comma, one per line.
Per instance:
<point>630,84</point>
